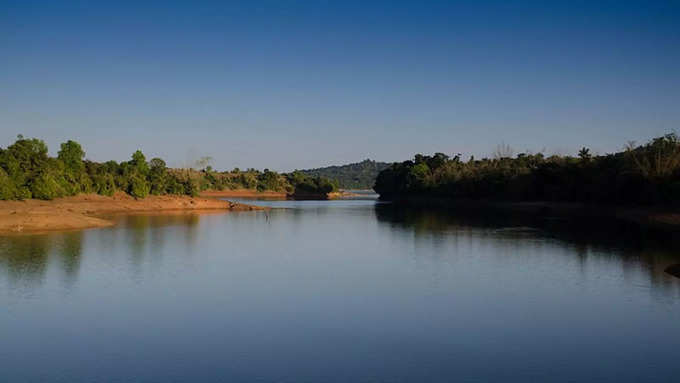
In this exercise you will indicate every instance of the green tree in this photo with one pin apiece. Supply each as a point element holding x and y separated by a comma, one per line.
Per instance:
<point>138,187</point>
<point>45,186</point>
<point>72,154</point>
<point>191,187</point>
<point>268,180</point>
<point>7,188</point>
<point>23,162</point>
<point>138,163</point>
<point>104,184</point>
<point>417,176</point>
<point>158,176</point>
<point>134,173</point>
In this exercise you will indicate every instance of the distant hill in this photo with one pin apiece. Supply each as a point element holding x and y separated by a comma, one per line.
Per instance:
<point>360,175</point>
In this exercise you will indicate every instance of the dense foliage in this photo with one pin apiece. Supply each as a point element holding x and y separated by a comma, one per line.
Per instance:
<point>360,175</point>
<point>308,185</point>
<point>295,183</point>
<point>647,174</point>
<point>26,171</point>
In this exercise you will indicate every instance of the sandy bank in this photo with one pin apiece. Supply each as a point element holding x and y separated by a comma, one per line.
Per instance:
<point>87,210</point>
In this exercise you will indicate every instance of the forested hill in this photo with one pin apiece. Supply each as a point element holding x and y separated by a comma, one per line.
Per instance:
<point>360,175</point>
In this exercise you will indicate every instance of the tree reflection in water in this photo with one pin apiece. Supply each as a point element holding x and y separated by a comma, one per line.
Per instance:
<point>26,260</point>
<point>631,247</point>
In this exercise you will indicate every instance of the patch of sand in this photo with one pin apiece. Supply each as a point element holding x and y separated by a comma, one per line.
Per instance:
<point>87,210</point>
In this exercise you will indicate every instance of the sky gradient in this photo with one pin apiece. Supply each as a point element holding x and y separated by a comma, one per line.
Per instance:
<point>287,84</point>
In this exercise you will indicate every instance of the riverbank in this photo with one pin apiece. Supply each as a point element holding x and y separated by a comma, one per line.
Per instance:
<point>268,194</point>
<point>243,193</point>
<point>88,210</point>
<point>654,218</point>
<point>342,194</point>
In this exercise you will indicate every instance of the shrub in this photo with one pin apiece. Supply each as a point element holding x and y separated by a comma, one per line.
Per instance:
<point>46,187</point>
<point>104,184</point>
<point>7,188</point>
<point>138,187</point>
<point>191,187</point>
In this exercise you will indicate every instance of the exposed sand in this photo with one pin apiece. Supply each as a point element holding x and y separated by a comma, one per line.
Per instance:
<point>87,210</point>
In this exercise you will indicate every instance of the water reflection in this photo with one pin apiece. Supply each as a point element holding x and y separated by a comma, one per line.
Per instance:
<point>146,234</point>
<point>634,250</point>
<point>347,286</point>
<point>70,254</point>
<point>27,260</point>
<point>24,259</point>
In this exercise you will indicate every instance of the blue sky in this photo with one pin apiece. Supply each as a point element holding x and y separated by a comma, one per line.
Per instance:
<point>292,84</point>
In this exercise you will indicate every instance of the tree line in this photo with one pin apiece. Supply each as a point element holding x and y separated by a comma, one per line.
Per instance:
<point>267,180</point>
<point>27,171</point>
<point>647,174</point>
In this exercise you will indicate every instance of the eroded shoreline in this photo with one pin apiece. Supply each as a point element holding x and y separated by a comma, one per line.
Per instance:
<point>89,210</point>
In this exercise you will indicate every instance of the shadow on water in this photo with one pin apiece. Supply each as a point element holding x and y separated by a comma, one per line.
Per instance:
<point>658,253</point>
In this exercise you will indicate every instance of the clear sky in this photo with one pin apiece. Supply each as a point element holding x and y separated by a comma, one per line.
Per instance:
<point>288,84</point>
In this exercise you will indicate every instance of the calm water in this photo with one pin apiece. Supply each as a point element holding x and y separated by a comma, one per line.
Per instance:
<point>336,291</point>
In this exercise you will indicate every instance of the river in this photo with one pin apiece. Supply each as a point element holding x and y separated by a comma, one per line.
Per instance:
<point>337,291</point>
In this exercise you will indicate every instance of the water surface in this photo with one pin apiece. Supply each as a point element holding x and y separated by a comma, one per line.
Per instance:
<point>336,291</point>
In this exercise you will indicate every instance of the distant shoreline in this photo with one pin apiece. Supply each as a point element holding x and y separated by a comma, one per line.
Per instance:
<point>268,194</point>
<point>88,210</point>
<point>243,193</point>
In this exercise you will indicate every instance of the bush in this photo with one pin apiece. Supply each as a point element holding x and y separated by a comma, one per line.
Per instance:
<point>7,188</point>
<point>191,187</point>
<point>104,185</point>
<point>174,186</point>
<point>46,187</point>
<point>138,187</point>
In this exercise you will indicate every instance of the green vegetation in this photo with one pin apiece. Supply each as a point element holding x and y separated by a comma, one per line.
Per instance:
<point>360,175</point>
<point>26,171</point>
<point>642,175</point>
<point>295,183</point>
<point>307,185</point>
